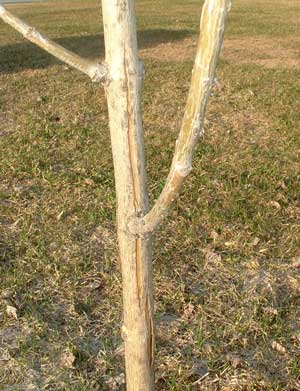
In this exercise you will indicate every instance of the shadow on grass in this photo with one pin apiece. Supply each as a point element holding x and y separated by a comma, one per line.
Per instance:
<point>21,56</point>
<point>7,254</point>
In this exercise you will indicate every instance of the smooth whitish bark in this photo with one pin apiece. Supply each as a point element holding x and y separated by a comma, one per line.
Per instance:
<point>122,76</point>
<point>212,27</point>
<point>95,71</point>
<point>135,223</point>
<point>123,88</point>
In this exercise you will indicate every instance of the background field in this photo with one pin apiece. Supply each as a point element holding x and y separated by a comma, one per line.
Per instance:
<point>227,261</point>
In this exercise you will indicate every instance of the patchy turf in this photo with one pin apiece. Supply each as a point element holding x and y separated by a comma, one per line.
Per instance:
<point>270,53</point>
<point>227,261</point>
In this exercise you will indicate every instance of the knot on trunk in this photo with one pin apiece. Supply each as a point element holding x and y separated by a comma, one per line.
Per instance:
<point>137,227</point>
<point>183,168</point>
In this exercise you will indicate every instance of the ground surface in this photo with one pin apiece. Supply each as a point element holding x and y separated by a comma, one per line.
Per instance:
<point>227,261</point>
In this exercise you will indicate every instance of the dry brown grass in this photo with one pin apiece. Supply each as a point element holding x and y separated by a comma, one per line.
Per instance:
<point>266,52</point>
<point>226,263</point>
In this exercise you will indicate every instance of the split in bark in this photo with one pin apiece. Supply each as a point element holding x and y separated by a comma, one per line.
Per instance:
<point>123,76</point>
<point>125,118</point>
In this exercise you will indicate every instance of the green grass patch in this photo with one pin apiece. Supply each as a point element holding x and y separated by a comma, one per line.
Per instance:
<point>226,262</point>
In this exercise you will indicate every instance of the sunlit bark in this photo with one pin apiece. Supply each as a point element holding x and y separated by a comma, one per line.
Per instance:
<point>95,71</point>
<point>122,76</point>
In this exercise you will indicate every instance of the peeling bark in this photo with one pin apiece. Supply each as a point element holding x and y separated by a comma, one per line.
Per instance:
<point>124,104</point>
<point>212,27</point>
<point>135,222</point>
<point>122,77</point>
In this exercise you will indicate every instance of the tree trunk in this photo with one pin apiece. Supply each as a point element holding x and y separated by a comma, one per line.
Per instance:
<point>122,75</point>
<point>123,88</point>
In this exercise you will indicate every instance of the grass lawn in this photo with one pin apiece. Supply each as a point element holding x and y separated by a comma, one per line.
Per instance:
<point>226,261</point>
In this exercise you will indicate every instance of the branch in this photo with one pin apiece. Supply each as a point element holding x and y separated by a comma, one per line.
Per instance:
<point>212,26</point>
<point>95,71</point>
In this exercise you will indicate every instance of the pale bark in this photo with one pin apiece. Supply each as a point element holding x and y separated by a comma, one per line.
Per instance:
<point>212,26</point>
<point>95,71</point>
<point>125,77</point>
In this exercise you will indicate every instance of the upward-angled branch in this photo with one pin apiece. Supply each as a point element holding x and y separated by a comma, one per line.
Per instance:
<point>95,71</point>
<point>212,26</point>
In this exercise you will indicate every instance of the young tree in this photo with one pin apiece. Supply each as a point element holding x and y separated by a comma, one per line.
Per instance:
<point>122,76</point>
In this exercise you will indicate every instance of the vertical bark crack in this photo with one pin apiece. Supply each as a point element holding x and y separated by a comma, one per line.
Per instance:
<point>139,271</point>
<point>131,139</point>
<point>133,155</point>
<point>150,326</point>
